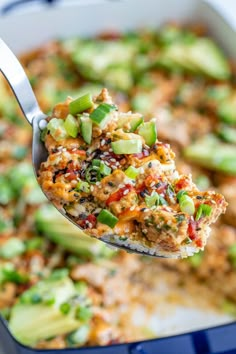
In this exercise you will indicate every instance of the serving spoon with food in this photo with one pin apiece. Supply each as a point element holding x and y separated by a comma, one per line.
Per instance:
<point>117,181</point>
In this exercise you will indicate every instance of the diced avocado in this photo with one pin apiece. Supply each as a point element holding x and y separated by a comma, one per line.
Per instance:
<point>169,34</point>
<point>57,129</point>
<point>40,312</point>
<point>104,61</point>
<point>132,172</point>
<point>141,102</point>
<point>8,273</point>
<point>227,134</point>
<point>203,182</point>
<point>196,259</point>
<point>119,77</point>
<point>211,153</point>
<point>130,122</point>
<point>176,56</point>
<point>199,55</point>
<point>232,254</point>
<point>207,57</point>
<point>229,307</point>
<point>61,231</point>
<point>78,337</point>
<point>148,131</point>
<point>227,110</point>
<point>86,127</point>
<point>6,192</point>
<point>217,93</point>
<point>132,146</point>
<point>72,126</point>
<point>12,248</point>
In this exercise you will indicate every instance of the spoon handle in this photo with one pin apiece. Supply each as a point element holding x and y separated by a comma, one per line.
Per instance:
<point>17,79</point>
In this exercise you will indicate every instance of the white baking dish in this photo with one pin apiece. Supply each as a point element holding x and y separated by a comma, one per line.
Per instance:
<point>28,28</point>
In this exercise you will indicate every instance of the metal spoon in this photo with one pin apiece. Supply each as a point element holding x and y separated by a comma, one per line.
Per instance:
<point>17,79</point>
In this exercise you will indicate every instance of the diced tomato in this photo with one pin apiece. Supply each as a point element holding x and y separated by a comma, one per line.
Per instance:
<point>90,219</point>
<point>192,229</point>
<point>115,197</point>
<point>71,175</point>
<point>182,184</point>
<point>140,188</point>
<point>199,242</point>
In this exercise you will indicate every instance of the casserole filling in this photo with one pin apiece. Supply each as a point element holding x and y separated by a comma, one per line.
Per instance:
<point>111,175</point>
<point>122,297</point>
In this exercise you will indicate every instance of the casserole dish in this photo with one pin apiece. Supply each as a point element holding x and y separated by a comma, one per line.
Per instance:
<point>72,19</point>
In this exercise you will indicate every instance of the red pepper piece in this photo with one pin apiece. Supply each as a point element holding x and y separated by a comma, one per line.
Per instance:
<point>90,219</point>
<point>199,242</point>
<point>115,197</point>
<point>183,183</point>
<point>192,229</point>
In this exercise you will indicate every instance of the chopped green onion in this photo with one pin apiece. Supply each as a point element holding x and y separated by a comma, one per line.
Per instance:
<point>58,274</point>
<point>72,126</point>
<point>104,169</point>
<point>180,194</point>
<point>81,104</point>
<point>12,248</point>
<point>162,201</point>
<point>187,205</point>
<point>34,243</point>
<point>100,115</point>
<point>43,134</point>
<point>8,273</point>
<point>81,287</point>
<point>5,313</point>
<point>93,174</point>
<point>96,162</point>
<point>203,210</point>
<point>83,187</point>
<point>232,254</point>
<point>107,218</point>
<point>152,200</point>
<point>132,172</point>
<point>65,308</point>
<point>132,146</point>
<point>49,299</point>
<point>84,314</point>
<point>35,298</point>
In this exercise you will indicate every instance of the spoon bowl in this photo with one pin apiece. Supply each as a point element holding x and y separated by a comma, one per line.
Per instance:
<point>20,85</point>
